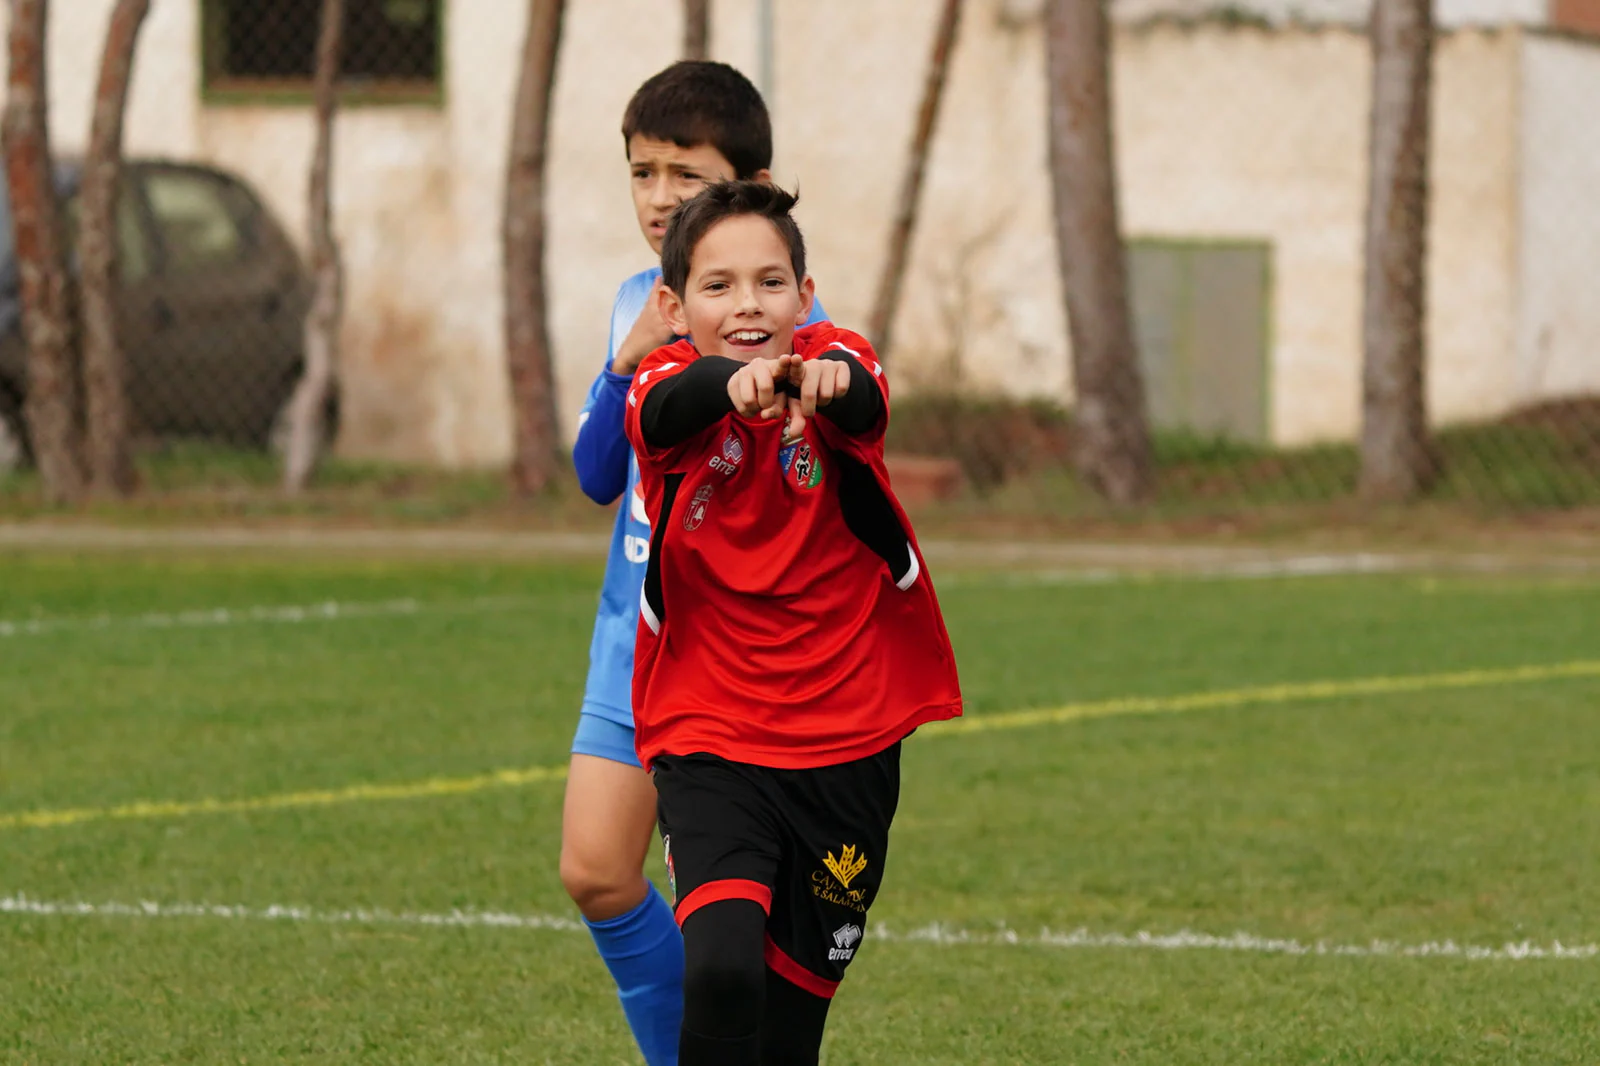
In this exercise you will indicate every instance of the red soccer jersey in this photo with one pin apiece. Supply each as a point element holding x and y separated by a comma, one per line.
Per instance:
<point>787,618</point>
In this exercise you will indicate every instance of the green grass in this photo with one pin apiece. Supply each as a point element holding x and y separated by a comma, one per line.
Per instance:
<point>1469,814</point>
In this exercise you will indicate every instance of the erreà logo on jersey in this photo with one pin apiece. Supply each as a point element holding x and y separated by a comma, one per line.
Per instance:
<point>801,464</point>
<point>696,513</point>
<point>732,455</point>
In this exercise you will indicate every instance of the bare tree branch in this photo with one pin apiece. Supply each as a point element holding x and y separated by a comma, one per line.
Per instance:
<point>1397,456</point>
<point>881,324</point>
<point>527,328</point>
<point>307,407</point>
<point>1111,435</point>
<point>104,366</point>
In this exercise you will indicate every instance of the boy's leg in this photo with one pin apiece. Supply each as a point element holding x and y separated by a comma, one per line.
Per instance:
<point>608,823</point>
<point>836,837</point>
<point>722,847</point>
<point>791,1025</point>
<point>724,984</point>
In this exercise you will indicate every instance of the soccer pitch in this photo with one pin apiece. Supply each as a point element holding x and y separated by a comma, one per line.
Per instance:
<point>283,808</point>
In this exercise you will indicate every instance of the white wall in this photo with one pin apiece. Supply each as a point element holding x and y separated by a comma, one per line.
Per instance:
<point>1472,226</point>
<point>1450,13</point>
<point>1558,342</point>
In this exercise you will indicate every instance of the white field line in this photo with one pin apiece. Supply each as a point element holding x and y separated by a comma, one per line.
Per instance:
<point>1269,568</point>
<point>288,614</point>
<point>335,610</point>
<point>937,933</point>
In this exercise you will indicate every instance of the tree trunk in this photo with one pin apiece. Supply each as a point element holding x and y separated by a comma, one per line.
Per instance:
<point>1397,458</point>
<point>52,408</point>
<point>104,369</point>
<point>881,324</point>
<point>308,426</point>
<point>1111,437</point>
<point>697,29</point>
<point>527,329</point>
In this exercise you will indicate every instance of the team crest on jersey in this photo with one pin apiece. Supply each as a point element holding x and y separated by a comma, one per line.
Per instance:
<point>696,513</point>
<point>801,465</point>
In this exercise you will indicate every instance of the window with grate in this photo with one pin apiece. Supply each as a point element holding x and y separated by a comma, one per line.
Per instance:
<point>256,50</point>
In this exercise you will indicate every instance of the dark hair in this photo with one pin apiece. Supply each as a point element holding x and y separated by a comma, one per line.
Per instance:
<point>694,218</point>
<point>697,102</point>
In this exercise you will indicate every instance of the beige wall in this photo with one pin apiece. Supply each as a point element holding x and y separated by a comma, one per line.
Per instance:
<point>1222,133</point>
<point>1451,13</point>
<point>1558,349</point>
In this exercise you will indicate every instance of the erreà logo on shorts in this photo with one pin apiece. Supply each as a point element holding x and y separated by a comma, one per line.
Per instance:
<point>845,939</point>
<point>696,513</point>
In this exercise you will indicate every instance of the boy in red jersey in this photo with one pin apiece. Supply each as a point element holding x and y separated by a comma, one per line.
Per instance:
<point>789,636</point>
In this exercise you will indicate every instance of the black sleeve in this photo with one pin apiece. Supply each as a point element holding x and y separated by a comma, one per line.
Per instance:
<point>688,402</point>
<point>856,411</point>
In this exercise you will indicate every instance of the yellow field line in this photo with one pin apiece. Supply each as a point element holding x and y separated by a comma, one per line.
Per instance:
<point>433,786</point>
<point>1302,692</point>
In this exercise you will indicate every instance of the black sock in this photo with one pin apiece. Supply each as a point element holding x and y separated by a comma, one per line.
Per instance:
<point>695,1049</point>
<point>791,1025</point>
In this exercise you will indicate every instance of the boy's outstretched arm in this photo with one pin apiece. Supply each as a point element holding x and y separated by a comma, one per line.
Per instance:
<point>688,402</point>
<point>856,411</point>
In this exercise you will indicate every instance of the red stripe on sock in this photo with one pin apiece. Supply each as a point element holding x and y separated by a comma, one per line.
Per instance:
<point>716,891</point>
<point>791,971</point>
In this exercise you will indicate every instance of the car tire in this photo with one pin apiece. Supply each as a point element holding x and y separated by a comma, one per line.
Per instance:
<point>327,428</point>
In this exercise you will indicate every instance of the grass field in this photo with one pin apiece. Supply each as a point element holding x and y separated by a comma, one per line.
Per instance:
<point>1404,770</point>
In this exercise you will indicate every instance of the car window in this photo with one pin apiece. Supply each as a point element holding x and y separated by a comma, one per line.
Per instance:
<point>197,227</point>
<point>133,251</point>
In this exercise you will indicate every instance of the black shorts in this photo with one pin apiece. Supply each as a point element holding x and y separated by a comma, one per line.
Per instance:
<point>807,845</point>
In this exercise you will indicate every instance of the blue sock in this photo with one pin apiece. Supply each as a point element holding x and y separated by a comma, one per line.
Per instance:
<point>643,949</point>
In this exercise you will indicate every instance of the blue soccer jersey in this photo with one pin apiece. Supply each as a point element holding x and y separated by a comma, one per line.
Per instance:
<point>606,470</point>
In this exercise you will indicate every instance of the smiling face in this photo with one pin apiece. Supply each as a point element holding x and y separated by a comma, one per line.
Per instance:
<point>665,174</point>
<point>742,299</point>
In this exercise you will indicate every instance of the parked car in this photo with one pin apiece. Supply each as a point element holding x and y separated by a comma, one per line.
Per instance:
<point>211,306</point>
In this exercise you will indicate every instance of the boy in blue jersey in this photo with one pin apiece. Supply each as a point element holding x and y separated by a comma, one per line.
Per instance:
<point>694,124</point>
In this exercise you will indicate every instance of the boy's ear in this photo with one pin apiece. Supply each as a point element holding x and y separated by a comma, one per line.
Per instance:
<point>671,310</point>
<point>808,296</point>
<point>764,176</point>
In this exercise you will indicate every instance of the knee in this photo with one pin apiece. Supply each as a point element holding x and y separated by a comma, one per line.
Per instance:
<point>600,889</point>
<point>723,992</point>
<point>724,973</point>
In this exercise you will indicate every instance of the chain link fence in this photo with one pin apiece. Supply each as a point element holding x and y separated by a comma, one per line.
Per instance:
<point>1242,152</point>
<point>214,285</point>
